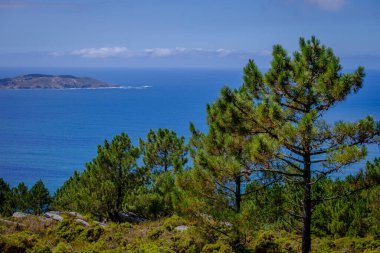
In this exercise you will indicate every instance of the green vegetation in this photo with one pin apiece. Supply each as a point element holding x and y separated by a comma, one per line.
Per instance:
<point>163,151</point>
<point>101,188</point>
<point>20,199</point>
<point>274,125</point>
<point>260,178</point>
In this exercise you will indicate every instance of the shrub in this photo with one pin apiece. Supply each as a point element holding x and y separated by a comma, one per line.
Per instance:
<point>62,248</point>
<point>219,246</point>
<point>172,222</point>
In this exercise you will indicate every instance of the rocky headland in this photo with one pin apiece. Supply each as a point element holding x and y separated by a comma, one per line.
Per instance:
<point>39,81</point>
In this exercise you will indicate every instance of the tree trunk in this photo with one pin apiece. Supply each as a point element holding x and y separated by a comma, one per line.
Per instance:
<point>238,193</point>
<point>119,189</point>
<point>306,229</point>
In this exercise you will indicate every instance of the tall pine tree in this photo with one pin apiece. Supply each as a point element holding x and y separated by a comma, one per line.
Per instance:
<point>281,116</point>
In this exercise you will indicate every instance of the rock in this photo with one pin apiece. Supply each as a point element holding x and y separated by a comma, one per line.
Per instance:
<point>7,222</point>
<point>20,215</point>
<point>130,217</point>
<point>75,214</point>
<point>83,222</point>
<point>54,215</point>
<point>102,224</point>
<point>181,228</point>
<point>227,224</point>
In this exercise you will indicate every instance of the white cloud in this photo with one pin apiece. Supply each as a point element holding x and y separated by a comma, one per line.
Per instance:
<point>331,5</point>
<point>163,52</point>
<point>102,52</point>
<point>105,52</point>
<point>160,52</point>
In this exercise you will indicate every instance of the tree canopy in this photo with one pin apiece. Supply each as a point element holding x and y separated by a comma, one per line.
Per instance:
<point>163,150</point>
<point>274,124</point>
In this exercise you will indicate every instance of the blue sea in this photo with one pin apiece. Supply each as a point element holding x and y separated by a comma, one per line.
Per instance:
<point>47,134</point>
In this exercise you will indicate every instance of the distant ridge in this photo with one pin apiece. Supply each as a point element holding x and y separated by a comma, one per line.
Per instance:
<point>40,81</point>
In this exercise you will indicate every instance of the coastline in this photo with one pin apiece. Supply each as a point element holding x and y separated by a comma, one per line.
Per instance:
<point>90,88</point>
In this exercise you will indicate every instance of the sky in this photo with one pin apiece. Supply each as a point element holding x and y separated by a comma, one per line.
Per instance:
<point>182,33</point>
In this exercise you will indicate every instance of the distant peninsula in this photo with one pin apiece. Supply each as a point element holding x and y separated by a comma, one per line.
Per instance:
<point>39,81</point>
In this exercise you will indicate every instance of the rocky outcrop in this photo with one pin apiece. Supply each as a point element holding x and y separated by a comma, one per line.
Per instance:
<point>60,216</point>
<point>83,222</point>
<point>38,81</point>
<point>130,217</point>
<point>75,214</point>
<point>20,215</point>
<point>11,223</point>
<point>54,215</point>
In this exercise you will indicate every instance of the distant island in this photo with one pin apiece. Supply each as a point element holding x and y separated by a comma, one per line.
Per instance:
<point>39,81</point>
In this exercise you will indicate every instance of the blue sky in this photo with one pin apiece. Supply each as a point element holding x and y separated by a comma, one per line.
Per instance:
<point>180,33</point>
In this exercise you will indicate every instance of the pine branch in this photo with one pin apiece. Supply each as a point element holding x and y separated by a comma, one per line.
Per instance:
<point>279,172</point>
<point>291,164</point>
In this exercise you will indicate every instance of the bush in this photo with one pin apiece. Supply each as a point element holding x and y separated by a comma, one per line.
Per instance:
<point>62,248</point>
<point>18,242</point>
<point>71,230</point>
<point>266,243</point>
<point>172,222</point>
<point>219,246</point>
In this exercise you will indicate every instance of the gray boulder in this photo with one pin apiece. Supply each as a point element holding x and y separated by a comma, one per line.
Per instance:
<point>75,214</point>
<point>83,222</point>
<point>102,224</point>
<point>20,215</point>
<point>181,228</point>
<point>130,217</point>
<point>54,215</point>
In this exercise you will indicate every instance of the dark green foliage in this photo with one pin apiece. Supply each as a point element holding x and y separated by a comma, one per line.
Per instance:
<point>5,198</point>
<point>101,188</point>
<point>21,198</point>
<point>39,198</point>
<point>164,154</point>
<point>218,246</point>
<point>219,187</point>
<point>64,198</point>
<point>113,182</point>
<point>266,243</point>
<point>70,230</point>
<point>163,150</point>
<point>155,199</point>
<point>356,213</point>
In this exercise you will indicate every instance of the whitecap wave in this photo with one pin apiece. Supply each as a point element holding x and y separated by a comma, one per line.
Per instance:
<point>140,87</point>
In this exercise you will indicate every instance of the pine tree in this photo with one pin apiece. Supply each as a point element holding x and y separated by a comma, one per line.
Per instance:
<point>163,150</point>
<point>164,154</point>
<point>5,197</point>
<point>108,177</point>
<point>222,179</point>
<point>20,198</point>
<point>39,198</point>
<point>281,116</point>
<point>65,197</point>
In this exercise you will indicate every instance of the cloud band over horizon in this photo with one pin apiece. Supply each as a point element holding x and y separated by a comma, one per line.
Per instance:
<point>106,52</point>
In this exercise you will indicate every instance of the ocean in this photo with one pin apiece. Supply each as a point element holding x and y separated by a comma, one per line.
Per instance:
<point>47,134</point>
